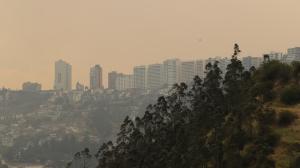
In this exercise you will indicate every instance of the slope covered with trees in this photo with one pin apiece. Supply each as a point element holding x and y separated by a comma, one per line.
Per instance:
<point>215,122</point>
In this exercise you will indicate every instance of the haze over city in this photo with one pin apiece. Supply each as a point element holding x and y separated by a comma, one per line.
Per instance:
<point>149,84</point>
<point>121,34</point>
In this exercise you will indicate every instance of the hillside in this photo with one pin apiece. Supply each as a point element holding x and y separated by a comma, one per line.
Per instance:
<point>48,129</point>
<point>289,146</point>
<point>247,118</point>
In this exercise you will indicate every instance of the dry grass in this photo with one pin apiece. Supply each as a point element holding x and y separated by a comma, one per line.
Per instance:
<point>289,135</point>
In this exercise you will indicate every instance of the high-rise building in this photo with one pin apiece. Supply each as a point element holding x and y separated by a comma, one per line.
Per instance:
<point>96,78</point>
<point>199,68</point>
<point>257,61</point>
<point>249,62</point>
<point>112,76</point>
<point>276,56</point>
<point>211,60</point>
<point>293,54</point>
<point>171,71</point>
<point>187,71</point>
<point>63,76</point>
<point>140,78</point>
<point>155,76</point>
<point>222,63</point>
<point>31,87</point>
<point>124,81</point>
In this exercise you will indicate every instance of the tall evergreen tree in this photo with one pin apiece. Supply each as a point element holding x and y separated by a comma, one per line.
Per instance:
<point>215,123</point>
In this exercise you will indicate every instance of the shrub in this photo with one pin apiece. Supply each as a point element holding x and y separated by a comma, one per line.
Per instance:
<point>275,71</point>
<point>290,95</point>
<point>295,162</point>
<point>296,70</point>
<point>264,89</point>
<point>286,118</point>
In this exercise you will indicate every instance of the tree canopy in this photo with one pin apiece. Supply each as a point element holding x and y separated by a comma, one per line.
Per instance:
<point>215,122</point>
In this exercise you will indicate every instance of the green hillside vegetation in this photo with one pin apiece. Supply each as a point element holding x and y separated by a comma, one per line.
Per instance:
<point>279,84</point>
<point>248,119</point>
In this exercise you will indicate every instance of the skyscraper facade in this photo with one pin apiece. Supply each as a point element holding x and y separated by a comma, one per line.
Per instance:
<point>124,82</point>
<point>112,76</point>
<point>293,54</point>
<point>222,63</point>
<point>155,76</point>
<point>140,78</point>
<point>63,76</point>
<point>212,60</point>
<point>249,62</point>
<point>199,68</point>
<point>187,71</point>
<point>276,56</point>
<point>96,78</point>
<point>171,71</point>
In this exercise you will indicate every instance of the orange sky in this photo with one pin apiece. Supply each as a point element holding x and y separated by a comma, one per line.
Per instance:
<point>119,34</point>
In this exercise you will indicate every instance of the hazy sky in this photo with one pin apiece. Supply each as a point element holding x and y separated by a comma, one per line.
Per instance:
<point>119,34</point>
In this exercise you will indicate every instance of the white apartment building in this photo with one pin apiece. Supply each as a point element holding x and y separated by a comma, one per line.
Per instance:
<point>124,82</point>
<point>140,77</point>
<point>63,76</point>
<point>293,54</point>
<point>222,63</point>
<point>276,56</point>
<point>199,68</point>
<point>96,77</point>
<point>249,61</point>
<point>155,76</point>
<point>188,71</point>
<point>171,71</point>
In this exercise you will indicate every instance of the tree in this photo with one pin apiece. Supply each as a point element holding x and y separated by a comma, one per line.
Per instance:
<point>290,95</point>
<point>296,70</point>
<point>215,123</point>
<point>81,159</point>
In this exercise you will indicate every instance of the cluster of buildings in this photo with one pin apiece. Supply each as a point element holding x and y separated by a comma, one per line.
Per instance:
<point>154,76</point>
<point>169,72</point>
<point>292,54</point>
<point>63,77</point>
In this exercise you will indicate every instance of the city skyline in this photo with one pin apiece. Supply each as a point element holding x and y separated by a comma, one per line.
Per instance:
<point>121,34</point>
<point>282,56</point>
<point>155,76</point>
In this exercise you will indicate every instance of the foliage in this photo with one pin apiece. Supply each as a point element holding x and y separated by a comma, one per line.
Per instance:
<point>43,151</point>
<point>296,70</point>
<point>269,76</point>
<point>214,123</point>
<point>272,76</point>
<point>82,159</point>
<point>275,71</point>
<point>286,118</point>
<point>290,95</point>
<point>265,90</point>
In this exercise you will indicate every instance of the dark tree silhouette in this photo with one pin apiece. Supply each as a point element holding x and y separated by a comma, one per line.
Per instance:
<point>214,123</point>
